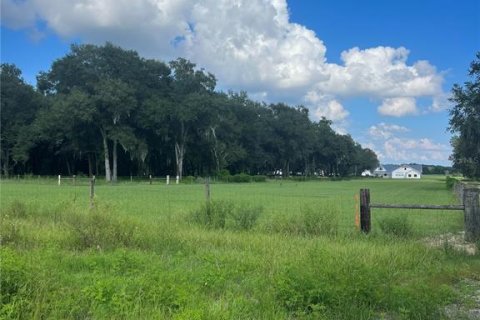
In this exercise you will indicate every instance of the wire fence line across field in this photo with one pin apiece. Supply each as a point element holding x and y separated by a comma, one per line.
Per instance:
<point>142,195</point>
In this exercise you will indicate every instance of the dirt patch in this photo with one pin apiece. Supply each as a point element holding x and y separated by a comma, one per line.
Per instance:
<point>455,241</point>
<point>469,307</point>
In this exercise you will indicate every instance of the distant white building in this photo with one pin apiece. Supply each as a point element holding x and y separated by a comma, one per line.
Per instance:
<point>406,172</point>
<point>381,172</point>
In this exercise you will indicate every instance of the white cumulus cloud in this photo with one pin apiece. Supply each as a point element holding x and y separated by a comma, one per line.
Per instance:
<point>385,131</point>
<point>415,150</point>
<point>390,143</point>
<point>248,44</point>
<point>398,107</point>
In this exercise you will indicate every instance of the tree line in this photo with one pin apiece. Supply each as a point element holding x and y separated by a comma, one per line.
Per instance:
<point>107,111</point>
<point>465,123</point>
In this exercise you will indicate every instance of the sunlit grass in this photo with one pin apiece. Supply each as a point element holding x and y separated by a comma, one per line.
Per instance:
<point>139,255</point>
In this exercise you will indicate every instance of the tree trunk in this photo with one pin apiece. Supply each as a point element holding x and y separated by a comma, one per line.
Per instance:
<point>69,169</point>
<point>179,154</point>
<point>114,176</point>
<point>286,169</point>
<point>97,164</point>
<point>90,168</point>
<point>107,158</point>
<point>6,169</point>
<point>180,150</point>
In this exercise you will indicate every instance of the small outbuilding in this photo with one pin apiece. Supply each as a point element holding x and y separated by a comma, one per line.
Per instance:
<point>366,173</point>
<point>381,172</point>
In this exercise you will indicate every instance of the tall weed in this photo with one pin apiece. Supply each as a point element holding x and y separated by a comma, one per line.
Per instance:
<point>311,221</point>
<point>226,215</point>
<point>398,226</point>
<point>101,229</point>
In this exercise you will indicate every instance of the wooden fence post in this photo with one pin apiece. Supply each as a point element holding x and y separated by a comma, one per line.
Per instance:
<point>177,180</point>
<point>59,179</point>
<point>150,178</point>
<point>365,223</point>
<point>92,191</point>
<point>471,201</point>
<point>168,179</point>
<point>207,189</point>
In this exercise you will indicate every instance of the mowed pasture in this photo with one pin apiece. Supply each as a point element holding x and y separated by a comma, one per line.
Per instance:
<point>273,250</point>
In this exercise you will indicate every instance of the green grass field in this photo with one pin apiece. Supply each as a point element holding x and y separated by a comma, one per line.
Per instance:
<point>274,250</point>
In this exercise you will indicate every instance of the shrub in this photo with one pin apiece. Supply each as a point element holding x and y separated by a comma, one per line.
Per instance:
<point>213,214</point>
<point>224,214</point>
<point>188,179</point>
<point>310,222</point>
<point>224,175</point>
<point>245,217</point>
<point>241,178</point>
<point>450,182</point>
<point>98,228</point>
<point>259,178</point>
<point>398,226</point>
<point>320,222</point>
<point>17,209</point>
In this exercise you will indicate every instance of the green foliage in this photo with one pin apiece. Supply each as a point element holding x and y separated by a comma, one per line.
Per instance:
<point>319,221</point>
<point>259,178</point>
<point>398,226</point>
<point>225,214</point>
<point>140,115</point>
<point>189,179</point>
<point>465,123</point>
<point>240,178</point>
<point>450,182</point>
<point>321,285</point>
<point>224,173</point>
<point>244,217</point>
<point>291,264</point>
<point>213,214</point>
<point>322,221</point>
<point>100,229</point>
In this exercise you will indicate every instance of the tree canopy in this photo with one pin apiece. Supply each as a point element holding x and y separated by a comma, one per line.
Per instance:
<point>107,111</point>
<point>465,123</point>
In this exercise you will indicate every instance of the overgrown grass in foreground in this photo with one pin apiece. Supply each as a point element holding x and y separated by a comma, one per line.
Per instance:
<point>65,261</point>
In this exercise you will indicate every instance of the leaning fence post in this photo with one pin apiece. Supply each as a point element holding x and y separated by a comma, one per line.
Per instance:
<point>92,191</point>
<point>471,201</point>
<point>365,223</point>
<point>207,189</point>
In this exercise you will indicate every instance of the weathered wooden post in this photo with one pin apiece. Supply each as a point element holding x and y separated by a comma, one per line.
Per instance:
<point>207,189</point>
<point>92,191</point>
<point>365,223</point>
<point>168,180</point>
<point>471,201</point>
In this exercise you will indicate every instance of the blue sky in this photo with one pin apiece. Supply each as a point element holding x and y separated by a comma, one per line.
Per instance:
<point>381,70</point>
